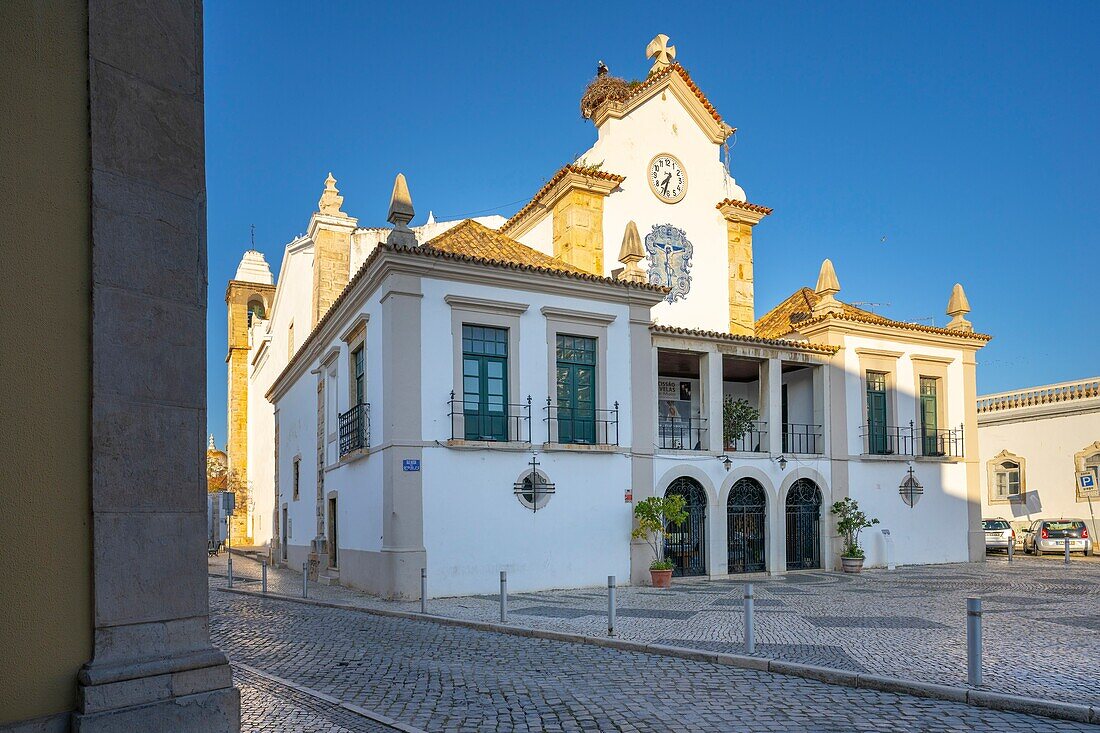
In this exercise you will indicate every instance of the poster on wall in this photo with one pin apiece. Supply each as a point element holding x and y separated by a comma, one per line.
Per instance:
<point>667,389</point>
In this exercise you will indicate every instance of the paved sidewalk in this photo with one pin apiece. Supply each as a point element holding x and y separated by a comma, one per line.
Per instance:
<point>448,678</point>
<point>908,623</point>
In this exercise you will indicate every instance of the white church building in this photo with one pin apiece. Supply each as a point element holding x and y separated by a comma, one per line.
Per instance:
<point>485,395</point>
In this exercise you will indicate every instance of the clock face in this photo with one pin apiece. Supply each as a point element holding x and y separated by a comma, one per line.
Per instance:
<point>667,178</point>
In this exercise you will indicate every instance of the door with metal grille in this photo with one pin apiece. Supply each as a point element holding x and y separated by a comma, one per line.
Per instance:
<point>803,525</point>
<point>745,522</point>
<point>685,544</point>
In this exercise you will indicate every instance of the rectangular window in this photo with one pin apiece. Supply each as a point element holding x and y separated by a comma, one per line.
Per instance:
<point>357,375</point>
<point>485,382</point>
<point>929,411</point>
<point>333,546</point>
<point>296,476</point>
<point>877,442</point>
<point>1008,480</point>
<point>576,387</point>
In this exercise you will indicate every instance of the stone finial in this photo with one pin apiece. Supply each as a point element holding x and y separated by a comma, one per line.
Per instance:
<point>630,254</point>
<point>210,445</point>
<point>401,213</point>
<point>331,200</point>
<point>661,53</point>
<point>957,308</point>
<point>827,286</point>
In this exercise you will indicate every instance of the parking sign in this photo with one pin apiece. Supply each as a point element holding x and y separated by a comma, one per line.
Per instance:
<point>1086,485</point>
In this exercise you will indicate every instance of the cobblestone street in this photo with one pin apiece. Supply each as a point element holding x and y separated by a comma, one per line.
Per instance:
<point>442,678</point>
<point>907,623</point>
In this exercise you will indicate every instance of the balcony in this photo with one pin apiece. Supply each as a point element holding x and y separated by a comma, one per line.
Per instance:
<point>802,438</point>
<point>355,429</point>
<point>902,440</point>
<point>488,421</point>
<point>753,440</point>
<point>682,433</point>
<point>581,426</point>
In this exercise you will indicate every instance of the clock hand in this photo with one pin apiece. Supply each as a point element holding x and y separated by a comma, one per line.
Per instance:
<point>664,186</point>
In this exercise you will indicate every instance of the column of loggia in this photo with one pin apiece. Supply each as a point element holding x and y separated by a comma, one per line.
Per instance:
<point>771,397</point>
<point>717,529</point>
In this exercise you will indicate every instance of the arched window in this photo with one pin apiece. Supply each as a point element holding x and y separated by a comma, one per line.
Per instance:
<point>256,309</point>
<point>1006,477</point>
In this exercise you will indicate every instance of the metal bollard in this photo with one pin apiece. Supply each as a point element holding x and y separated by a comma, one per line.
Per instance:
<point>974,641</point>
<point>610,605</point>
<point>423,590</point>
<point>750,629</point>
<point>1066,541</point>
<point>504,596</point>
<point>229,570</point>
<point>1011,545</point>
<point>305,581</point>
<point>263,576</point>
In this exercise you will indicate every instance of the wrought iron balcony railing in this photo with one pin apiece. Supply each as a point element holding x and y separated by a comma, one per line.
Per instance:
<point>884,440</point>
<point>753,440</point>
<point>355,429</point>
<point>682,433</point>
<point>581,426</point>
<point>473,419</point>
<point>802,438</point>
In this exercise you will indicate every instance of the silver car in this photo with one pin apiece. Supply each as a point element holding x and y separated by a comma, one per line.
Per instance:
<point>1050,535</point>
<point>998,534</point>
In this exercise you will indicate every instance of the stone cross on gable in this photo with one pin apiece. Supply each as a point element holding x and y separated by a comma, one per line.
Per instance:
<point>661,53</point>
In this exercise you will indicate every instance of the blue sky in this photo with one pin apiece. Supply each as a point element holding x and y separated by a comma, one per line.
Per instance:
<point>965,133</point>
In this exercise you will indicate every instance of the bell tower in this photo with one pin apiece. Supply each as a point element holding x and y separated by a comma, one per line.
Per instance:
<point>248,298</point>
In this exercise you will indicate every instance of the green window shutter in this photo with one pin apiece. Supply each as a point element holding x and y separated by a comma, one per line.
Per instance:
<point>876,413</point>
<point>576,389</point>
<point>485,382</point>
<point>929,410</point>
<point>357,366</point>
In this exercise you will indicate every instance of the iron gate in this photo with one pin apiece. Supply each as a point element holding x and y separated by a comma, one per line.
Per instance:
<point>685,544</point>
<point>745,522</point>
<point>803,525</point>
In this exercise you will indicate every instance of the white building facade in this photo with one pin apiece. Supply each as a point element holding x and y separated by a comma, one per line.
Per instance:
<point>1034,442</point>
<point>498,394</point>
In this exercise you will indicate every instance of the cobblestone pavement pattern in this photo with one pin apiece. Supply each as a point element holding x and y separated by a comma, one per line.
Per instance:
<point>446,678</point>
<point>908,623</point>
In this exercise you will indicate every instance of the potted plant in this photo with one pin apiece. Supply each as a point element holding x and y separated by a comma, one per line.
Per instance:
<point>851,520</point>
<point>738,417</point>
<point>654,515</point>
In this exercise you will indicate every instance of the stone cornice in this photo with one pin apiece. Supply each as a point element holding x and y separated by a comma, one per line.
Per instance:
<point>568,314</point>
<point>328,221</point>
<point>742,212</point>
<point>820,327</point>
<point>462,302</point>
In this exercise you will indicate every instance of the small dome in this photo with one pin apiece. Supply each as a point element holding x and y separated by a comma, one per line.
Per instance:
<point>254,269</point>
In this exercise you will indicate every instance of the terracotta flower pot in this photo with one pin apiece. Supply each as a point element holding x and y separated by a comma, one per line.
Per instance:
<point>851,564</point>
<point>661,578</point>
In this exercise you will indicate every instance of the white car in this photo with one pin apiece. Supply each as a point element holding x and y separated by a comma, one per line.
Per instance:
<point>1050,535</point>
<point>998,534</point>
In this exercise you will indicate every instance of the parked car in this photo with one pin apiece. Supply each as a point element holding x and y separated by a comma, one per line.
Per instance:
<point>998,534</point>
<point>1049,535</point>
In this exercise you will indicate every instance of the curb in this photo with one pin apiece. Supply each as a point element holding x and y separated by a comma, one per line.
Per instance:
<point>951,693</point>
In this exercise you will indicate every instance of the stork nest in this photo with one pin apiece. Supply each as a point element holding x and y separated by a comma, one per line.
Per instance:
<point>603,89</point>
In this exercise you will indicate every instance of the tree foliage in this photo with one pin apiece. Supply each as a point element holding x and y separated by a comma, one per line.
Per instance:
<point>654,515</point>
<point>738,417</point>
<point>851,520</point>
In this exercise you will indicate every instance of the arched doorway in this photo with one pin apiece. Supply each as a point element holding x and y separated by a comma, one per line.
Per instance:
<point>745,521</point>
<point>685,544</point>
<point>803,525</point>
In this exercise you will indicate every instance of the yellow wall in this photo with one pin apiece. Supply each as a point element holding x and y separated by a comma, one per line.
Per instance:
<point>45,296</point>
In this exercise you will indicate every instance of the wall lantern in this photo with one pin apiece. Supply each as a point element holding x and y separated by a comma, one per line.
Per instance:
<point>782,463</point>
<point>725,461</point>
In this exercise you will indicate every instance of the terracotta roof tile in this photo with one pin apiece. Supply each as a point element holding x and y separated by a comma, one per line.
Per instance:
<point>744,205</point>
<point>571,168</point>
<point>676,68</point>
<point>475,240</point>
<point>797,310</point>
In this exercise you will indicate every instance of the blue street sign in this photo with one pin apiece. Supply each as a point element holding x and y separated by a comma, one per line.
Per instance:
<point>1087,481</point>
<point>410,464</point>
